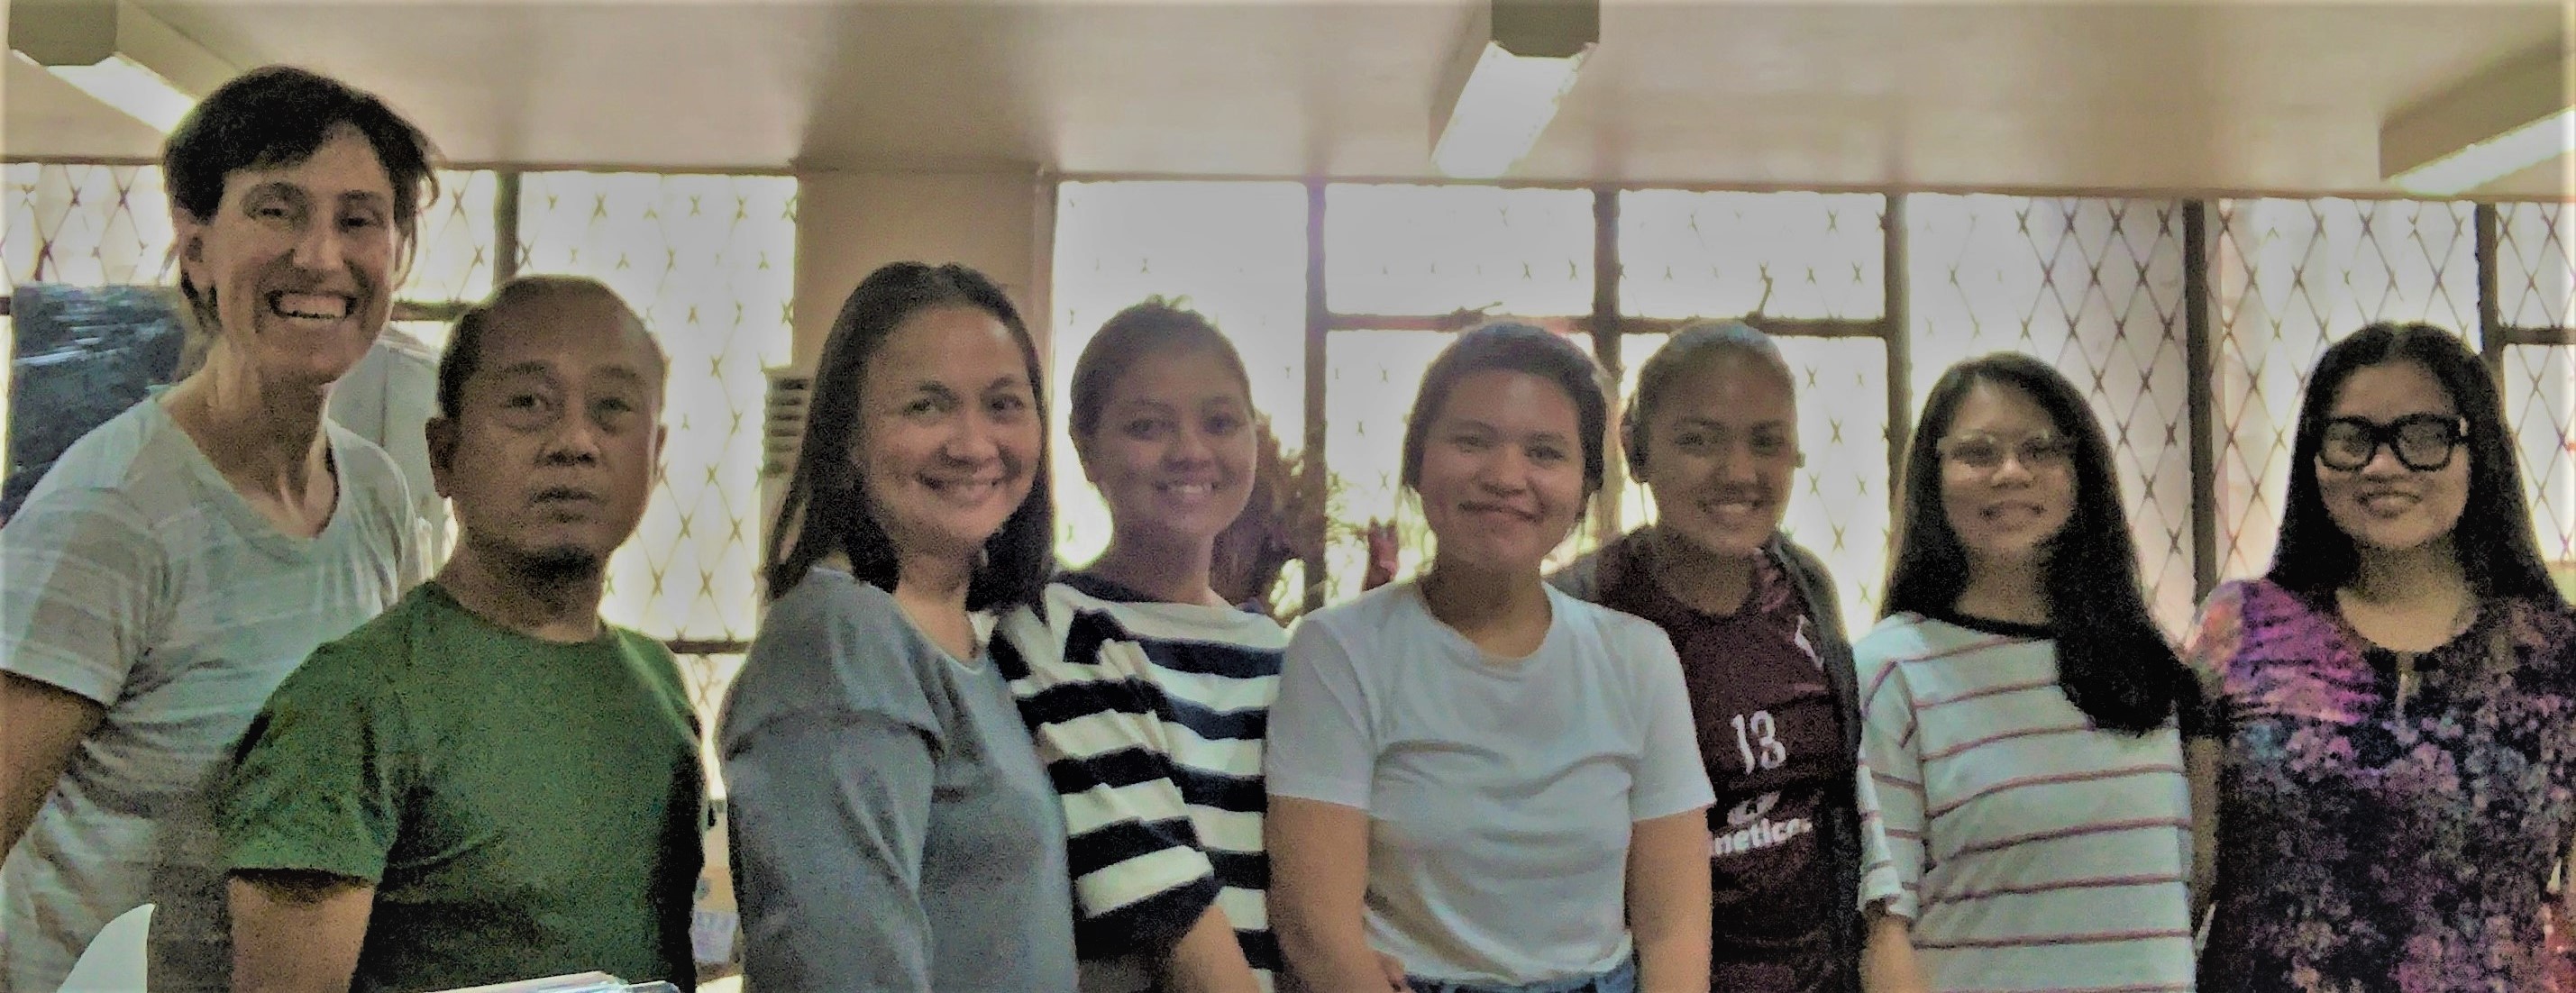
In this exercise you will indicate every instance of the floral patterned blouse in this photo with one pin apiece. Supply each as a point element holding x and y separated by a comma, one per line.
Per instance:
<point>2365,846</point>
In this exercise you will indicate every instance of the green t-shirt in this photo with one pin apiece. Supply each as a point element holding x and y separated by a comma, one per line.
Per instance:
<point>523,808</point>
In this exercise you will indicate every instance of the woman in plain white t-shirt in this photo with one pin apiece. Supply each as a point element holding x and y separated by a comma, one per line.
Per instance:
<point>1478,784</point>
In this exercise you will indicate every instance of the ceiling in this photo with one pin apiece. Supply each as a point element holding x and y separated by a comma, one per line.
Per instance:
<point>2206,95</point>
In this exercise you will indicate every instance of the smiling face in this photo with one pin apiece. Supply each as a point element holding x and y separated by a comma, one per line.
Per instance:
<point>1173,450</point>
<point>1721,448</point>
<point>2384,505</point>
<point>299,261</point>
<point>2007,478</point>
<point>1501,478</point>
<point>949,439</point>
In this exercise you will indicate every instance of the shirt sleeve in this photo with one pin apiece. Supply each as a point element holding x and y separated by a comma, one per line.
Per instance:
<point>80,586</point>
<point>1141,875</point>
<point>829,745</point>
<point>318,779</point>
<point>1671,776</point>
<point>1891,801</point>
<point>828,813</point>
<point>1321,746</point>
<point>2214,641</point>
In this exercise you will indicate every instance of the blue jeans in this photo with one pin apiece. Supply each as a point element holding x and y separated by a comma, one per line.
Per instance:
<point>1620,980</point>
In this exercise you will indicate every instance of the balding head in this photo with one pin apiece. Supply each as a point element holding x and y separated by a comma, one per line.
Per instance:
<point>550,429</point>
<point>547,300</point>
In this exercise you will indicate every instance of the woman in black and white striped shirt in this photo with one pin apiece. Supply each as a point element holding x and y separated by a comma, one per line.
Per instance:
<point>1148,693</point>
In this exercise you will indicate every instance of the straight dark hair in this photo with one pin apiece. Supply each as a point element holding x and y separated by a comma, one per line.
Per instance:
<point>1520,348</point>
<point>826,508</point>
<point>2493,538</point>
<point>2112,661</point>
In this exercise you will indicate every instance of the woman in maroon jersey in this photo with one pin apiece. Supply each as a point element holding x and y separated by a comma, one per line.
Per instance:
<point>1713,432</point>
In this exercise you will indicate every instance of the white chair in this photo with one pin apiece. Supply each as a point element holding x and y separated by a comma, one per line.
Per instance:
<point>115,960</point>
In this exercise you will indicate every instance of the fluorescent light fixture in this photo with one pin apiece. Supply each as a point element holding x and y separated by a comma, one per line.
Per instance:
<point>2487,161</point>
<point>119,55</point>
<point>1518,60</point>
<point>130,86</point>
<point>2491,126</point>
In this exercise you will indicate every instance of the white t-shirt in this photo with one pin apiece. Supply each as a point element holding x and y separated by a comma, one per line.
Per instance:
<point>1501,793</point>
<point>137,577</point>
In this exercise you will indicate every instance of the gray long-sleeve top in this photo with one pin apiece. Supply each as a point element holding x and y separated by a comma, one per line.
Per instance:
<point>892,828</point>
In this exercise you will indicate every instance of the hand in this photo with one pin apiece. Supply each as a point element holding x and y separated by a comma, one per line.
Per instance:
<point>1394,972</point>
<point>1383,550</point>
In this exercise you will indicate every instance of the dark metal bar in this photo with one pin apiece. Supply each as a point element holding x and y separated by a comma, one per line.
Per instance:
<point>2200,389</point>
<point>505,226</point>
<point>442,310</point>
<point>1319,324</point>
<point>2490,309</point>
<point>1777,327</point>
<point>1461,320</point>
<point>691,646</point>
<point>2562,337</point>
<point>1607,329</point>
<point>1900,356</point>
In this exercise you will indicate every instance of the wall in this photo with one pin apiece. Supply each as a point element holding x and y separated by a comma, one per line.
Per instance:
<point>850,223</point>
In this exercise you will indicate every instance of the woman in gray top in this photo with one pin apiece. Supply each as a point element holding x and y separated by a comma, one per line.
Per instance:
<point>892,828</point>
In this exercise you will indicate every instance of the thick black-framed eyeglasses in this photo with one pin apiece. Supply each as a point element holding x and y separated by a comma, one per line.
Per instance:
<point>2423,442</point>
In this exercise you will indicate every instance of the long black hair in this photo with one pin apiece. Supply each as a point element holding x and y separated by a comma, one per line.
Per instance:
<point>2493,538</point>
<point>826,509</point>
<point>2112,661</point>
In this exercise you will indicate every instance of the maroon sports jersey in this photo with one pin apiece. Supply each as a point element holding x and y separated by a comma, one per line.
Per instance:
<point>1772,739</point>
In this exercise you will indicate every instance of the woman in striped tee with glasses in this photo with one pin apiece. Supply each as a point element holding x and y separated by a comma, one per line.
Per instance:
<point>2020,712</point>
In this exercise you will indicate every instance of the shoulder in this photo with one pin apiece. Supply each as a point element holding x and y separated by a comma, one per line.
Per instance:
<point>1070,607</point>
<point>650,655</point>
<point>2248,612</point>
<point>2545,627</point>
<point>373,655</point>
<point>828,601</point>
<point>366,468</point>
<point>1395,603</point>
<point>1619,632</point>
<point>834,643</point>
<point>1896,638</point>
<point>1800,561</point>
<point>1591,576</point>
<point>131,453</point>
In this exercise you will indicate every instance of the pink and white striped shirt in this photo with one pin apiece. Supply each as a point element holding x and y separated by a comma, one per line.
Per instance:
<point>2031,850</point>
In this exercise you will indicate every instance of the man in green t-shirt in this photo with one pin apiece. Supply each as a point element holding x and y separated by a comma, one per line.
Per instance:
<point>488,783</point>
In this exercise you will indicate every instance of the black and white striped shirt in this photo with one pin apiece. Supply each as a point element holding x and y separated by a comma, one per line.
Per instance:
<point>1150,717</point>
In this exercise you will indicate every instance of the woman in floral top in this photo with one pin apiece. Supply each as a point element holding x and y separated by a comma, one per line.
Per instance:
<point>2394,760</point>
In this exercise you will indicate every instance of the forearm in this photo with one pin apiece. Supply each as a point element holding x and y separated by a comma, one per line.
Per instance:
<point>297,932</point>
<point>1675,961</point>
<point>1208,959</point>
<point>1330,956</point>
<point>1668,903</point>
<point>1887,962</point>
<point>2201,757</point>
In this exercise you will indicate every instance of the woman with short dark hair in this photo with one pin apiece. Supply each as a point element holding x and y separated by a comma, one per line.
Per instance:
<point>179,560</point>
<point>1489,781</point>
